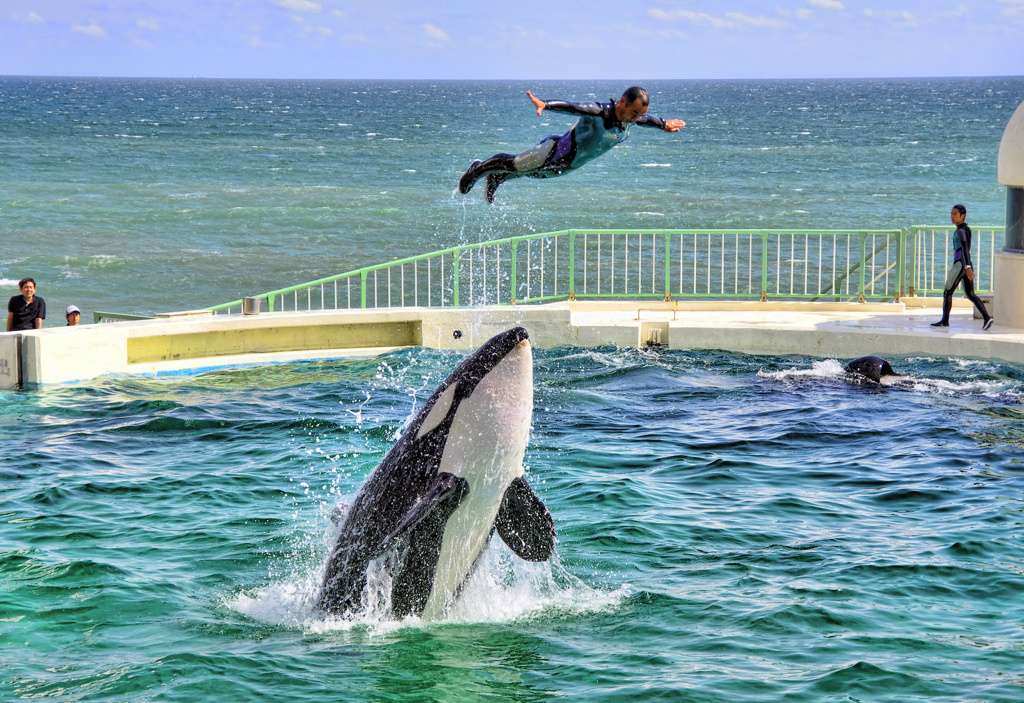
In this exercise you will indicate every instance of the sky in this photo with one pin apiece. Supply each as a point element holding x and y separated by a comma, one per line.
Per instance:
<point>522,39</point>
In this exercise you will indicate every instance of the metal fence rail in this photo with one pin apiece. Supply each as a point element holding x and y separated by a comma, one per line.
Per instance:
<point>737,264</point>
<point>931,255</point>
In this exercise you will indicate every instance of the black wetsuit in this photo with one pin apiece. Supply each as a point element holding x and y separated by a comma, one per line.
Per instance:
<point>596,131</point>
<point>958,273</point>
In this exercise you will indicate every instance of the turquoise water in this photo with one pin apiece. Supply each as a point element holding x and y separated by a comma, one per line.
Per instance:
<point>731,528</point>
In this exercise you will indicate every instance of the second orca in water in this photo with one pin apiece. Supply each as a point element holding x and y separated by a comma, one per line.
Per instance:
<point>872,367</point>
<point>428,510</point>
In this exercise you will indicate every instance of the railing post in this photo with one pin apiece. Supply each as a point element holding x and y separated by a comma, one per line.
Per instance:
<point>668,267</point>
<point>515,253</point>
<point>572,265</point>
<point>863,266</point>
<point>764,266</point>
<point>455,276</point>
<point>362,288</point>
<point>270,302</point>
<point>912,253</point>
<point>901,270</point>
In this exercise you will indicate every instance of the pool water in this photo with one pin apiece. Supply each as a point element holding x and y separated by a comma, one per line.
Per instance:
<point>730,528</point>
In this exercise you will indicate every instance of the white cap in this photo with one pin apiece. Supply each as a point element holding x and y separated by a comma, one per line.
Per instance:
<point>71,309</point>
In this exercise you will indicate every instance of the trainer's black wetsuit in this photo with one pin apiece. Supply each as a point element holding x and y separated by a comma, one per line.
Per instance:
<point>596,131</point>
<point>958,273</point>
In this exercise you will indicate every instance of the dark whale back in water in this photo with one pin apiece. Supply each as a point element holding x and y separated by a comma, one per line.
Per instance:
<point>872,367</point>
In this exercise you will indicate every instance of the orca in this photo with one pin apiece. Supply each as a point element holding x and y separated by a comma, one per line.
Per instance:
<point>428,510</point>
<point>871,367</point>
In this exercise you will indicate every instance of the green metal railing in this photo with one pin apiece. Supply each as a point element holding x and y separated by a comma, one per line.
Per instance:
<point>735,264</point>
<point>931,255</point>
<point>104,317</point>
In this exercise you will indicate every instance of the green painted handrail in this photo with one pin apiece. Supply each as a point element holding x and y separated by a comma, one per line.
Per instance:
<point>98,316</point>
<point>917,250</point>
<point>906,266</point>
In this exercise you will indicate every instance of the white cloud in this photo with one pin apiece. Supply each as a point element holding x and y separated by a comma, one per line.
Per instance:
<point>701,18</point>
<point>827,4</point>
<point>151,25</point>
<point>754,21</point>
<point>803,13</point>
<point>351,40</point>
<point>958,11</point>
<point>257,42</point>
<point>30,18</point>
<point>300,6</point>
<point>1015,9</point>
<point>433,36</point>
<point>731,20</point>
<point>899,17</point>
<point>90,30</point>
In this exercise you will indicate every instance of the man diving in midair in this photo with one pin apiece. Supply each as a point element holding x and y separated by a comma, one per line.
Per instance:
<point>600,127</point>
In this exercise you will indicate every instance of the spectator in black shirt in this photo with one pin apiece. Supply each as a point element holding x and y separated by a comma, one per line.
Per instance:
<point>26,311</point>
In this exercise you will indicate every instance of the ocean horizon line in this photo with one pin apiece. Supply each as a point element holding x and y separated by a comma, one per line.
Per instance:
<point>512,79</point>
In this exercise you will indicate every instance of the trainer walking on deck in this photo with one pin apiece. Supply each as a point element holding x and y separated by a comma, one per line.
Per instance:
<point>962,270</point>
<point>599,128</point>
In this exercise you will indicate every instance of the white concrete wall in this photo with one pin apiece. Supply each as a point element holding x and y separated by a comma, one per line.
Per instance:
<point>1008,269</point>
<point>9,360</point>
<point>63,354</point>
<point>184,344</point>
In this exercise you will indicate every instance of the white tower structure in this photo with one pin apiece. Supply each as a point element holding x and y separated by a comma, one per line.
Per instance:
<point>1009,263</point>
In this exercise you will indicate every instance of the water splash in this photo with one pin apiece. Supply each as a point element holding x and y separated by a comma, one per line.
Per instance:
<point>831,370</point>
<point>502,589</point>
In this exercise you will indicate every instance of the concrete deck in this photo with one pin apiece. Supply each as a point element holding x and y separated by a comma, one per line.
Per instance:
<point>189,343</point>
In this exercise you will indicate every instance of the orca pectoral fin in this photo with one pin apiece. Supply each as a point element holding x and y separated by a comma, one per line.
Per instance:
<point>524,523</point>
<point>447,487</point>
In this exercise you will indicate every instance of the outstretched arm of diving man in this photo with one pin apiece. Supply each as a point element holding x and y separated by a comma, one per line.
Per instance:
<point>540,105</point>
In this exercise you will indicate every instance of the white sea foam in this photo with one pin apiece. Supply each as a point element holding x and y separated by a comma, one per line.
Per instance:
<point>831,369</point>
<point>8,282</point>
<point>656,165</point>
<point>827,368</point>
<point>503,588</point>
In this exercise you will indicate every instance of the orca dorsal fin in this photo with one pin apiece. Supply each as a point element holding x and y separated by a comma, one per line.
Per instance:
<point>524,522</point>
<point>446,487</point>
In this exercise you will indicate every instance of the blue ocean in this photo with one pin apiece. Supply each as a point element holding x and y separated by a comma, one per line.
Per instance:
<point>730,527</point>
